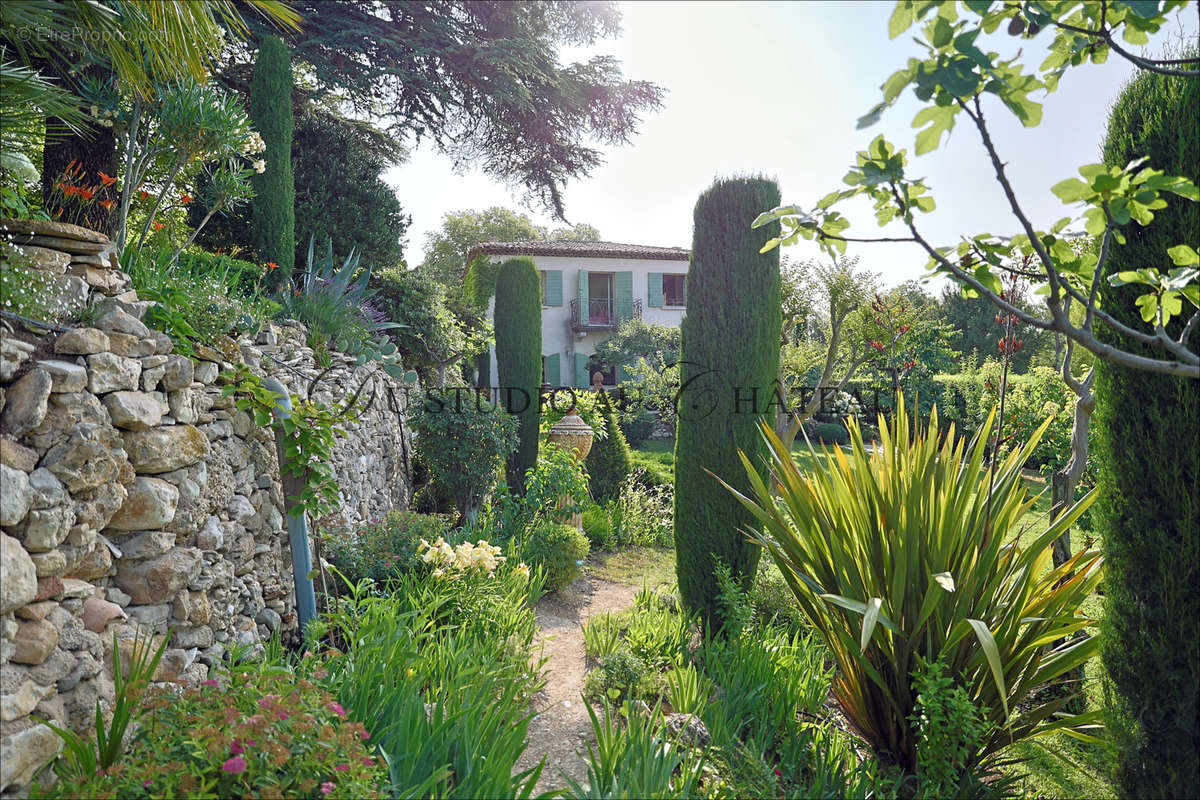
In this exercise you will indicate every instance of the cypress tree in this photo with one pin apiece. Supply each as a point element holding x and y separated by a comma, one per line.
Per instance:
<point>518,321</point>
<point>729,363</point>
<point>608,462</point>
<point>1147,428</point>
<point>273,212</point>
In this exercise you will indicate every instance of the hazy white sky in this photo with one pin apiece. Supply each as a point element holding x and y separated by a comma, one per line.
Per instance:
<point>775,88</point>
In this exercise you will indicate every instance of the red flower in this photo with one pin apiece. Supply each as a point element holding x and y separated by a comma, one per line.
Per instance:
<point>106,180</point>
<point>342,767</point>
<point>234,766</point>
<point>878,345</point>
<point>905,328</point>
<point>86,193</point>
<point>142,193</point>
<point>158,226</point>
<point>107,205</point>
<point>272,265</point>
<point>186,198</point>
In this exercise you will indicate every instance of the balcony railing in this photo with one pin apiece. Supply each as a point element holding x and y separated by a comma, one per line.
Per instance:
<point>601,315</point>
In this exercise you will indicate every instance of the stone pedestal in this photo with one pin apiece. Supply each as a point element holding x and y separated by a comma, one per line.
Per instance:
<point>575,434</point>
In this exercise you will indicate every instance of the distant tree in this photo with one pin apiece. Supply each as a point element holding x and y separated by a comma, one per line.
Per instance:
<point>579,232</point>
<point>337,167</point>
<point>979,336</point>
<point>608,462</point>
<point>446,249</point>
<point>823,343</point>
<point>272,212</point>
<point>481,80</point>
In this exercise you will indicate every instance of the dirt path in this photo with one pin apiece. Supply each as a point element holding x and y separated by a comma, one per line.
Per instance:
<point>562,729</point>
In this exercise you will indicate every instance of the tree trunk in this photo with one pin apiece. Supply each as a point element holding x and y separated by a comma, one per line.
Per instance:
<point>1064,481</point>
<point>94,150</point>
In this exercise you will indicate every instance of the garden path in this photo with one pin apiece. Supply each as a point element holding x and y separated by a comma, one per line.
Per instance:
<point>562,730</point>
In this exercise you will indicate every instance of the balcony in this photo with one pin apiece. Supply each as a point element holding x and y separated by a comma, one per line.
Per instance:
<point>602,315</point>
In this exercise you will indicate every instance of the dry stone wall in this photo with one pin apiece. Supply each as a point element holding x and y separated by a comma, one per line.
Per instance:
<point>134,496</point>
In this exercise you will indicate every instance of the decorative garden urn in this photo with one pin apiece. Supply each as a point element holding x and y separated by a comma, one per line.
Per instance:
<point>571,431</point>
<point>575,434</point>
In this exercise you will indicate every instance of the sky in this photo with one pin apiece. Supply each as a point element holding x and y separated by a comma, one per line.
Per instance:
<point>775,88</point>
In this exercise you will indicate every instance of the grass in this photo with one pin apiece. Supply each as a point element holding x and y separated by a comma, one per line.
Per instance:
<point>655,566</point>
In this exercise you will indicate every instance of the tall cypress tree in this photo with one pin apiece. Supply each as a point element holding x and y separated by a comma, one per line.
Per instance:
<point>729,362</point>
<point>273,211</point>
<point>1147,429</point>
<point>518,322</point>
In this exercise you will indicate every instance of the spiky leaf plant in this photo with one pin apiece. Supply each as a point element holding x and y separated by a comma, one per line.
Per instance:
<point>909,554</point>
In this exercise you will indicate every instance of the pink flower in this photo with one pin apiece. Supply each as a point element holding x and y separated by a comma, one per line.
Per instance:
<point>342,767</point>
<point>337,709</point>
<point>234,766</point>
<point>236,748</point>
<point>210,683</point>
<point>327,787</point>
<point>367,762</point>
<point>147,783</point>
<point>364,735</point>
<point>283,715</point>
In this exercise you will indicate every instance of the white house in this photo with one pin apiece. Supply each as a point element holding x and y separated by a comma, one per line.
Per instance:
<point>588,290</point>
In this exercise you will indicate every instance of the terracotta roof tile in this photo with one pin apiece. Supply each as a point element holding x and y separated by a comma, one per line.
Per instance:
<point>580,249</point>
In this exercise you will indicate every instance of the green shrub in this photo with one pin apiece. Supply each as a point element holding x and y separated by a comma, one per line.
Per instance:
<point>640,516</point>
<point>608,462</point>
<point>464,447</point>
<point>639,428</point>
<point>654,470</point>
<point>880,551</point>
<point>1147,426</point>
<point>248,733</point>
<point>618,677</point>
<point>730,338</point>
<point>518,323</point>
<point>559,549</point>
<point>384,548</point>
<point>597,526</point>
<point>273,212</point>
<point>199,296</point>
<point>829,433</point>
<point>950,730</point>
<point>440,673</point>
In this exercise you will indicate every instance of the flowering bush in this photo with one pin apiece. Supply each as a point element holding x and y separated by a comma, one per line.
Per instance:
<point>480,558</point>
<point>253,733</point>
<point>383,548</point>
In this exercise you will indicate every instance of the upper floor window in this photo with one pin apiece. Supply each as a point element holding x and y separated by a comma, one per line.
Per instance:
<point>674,289</point>
<point>542,279</point>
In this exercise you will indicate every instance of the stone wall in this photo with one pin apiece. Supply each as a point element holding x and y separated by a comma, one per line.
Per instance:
<point>134,496</point>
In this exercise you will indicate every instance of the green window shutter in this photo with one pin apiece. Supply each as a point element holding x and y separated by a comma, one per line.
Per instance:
<point>581,371</point>
<point>552,370</point>
<point>553,287</point>
<point>654,289</point>
<point>624,292</point>
<point>583,296</point>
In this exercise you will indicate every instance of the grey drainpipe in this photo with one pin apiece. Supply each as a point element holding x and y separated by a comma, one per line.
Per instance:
<point>306,598</point>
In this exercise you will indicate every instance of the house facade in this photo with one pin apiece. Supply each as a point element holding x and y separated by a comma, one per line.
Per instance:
<point>588,290</point>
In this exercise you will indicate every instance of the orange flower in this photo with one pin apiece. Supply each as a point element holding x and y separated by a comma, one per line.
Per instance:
<point>107,205</point>
<point>158,226</point>
<point>186,198</point>
<point>86,193</point>
<point>69,190</point>
<point>272,265</point>
<point>106,180</point>
<point>142,193</point>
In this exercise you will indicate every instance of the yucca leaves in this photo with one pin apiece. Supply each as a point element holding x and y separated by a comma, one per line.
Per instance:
<point>909,553</point>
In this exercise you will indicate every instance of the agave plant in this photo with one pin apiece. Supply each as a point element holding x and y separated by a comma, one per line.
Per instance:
<point>909,554</point>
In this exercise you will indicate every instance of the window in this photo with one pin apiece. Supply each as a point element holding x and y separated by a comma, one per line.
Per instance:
<point>675,290</point>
